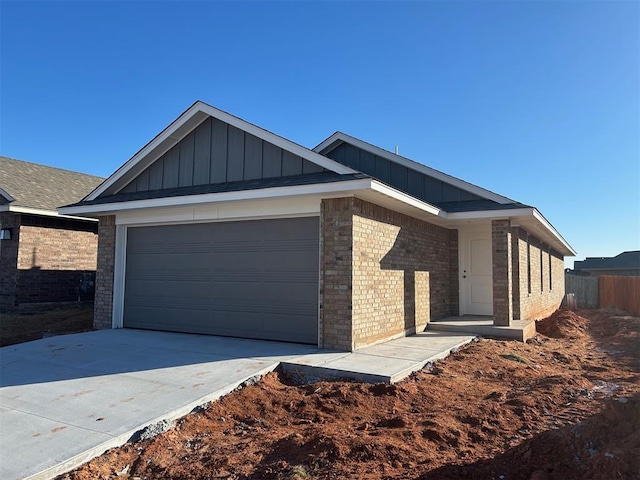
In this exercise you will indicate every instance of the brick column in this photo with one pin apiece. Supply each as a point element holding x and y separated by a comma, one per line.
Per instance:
<point>515,271</point>
<point>336,254</point>
<point>502,273</point>
<point>104,274</point>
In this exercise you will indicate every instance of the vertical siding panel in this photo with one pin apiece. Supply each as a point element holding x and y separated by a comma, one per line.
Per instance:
<point>450,193</point>
<point>142,182</point>
<point>171,168</point>
<point>202,153</point>
<point>252,157</point>
<point>291,164</point>
<point>382,169</point>
<point>155,174</point>
<point>130,188</point>
<point>272,161</point>
<point>310,167</point>
<point>218,173</point>
<point>235,157</point>
<point>398,177</point>
<point>432,189</point>
<point>415,185</point>
<point>352,157</point>
<point>185,176</point>
<point>367,162</point>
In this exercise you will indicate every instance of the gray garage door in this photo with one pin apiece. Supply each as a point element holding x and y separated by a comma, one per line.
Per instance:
<point>253,279</point>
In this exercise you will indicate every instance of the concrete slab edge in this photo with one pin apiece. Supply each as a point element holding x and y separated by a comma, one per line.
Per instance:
<point>434,358</point>
<point>122,439</point>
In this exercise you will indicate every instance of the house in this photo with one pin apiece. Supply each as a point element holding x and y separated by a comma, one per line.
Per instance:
<point>624,264</point>
<point>218,226</point>
<point>44,256</point>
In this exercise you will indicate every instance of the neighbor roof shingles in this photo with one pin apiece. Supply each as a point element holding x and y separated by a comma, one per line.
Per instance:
<point>42,187</point>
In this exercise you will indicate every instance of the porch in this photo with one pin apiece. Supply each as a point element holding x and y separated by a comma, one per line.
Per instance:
<point>520,330</point>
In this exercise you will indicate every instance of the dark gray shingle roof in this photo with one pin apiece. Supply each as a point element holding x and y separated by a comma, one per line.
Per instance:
<point>621,261</point>
<point>477,206</point>
<point>42,187</point>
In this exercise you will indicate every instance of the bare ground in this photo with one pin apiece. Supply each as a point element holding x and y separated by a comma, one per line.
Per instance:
<point>565,405</point>
<point>36,323</point>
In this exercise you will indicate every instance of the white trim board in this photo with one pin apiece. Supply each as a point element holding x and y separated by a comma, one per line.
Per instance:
<point>42,212</point>
<point>188,121</point>
<point>339,137</point>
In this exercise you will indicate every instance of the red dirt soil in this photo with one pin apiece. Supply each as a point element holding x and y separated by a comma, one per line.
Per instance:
<point>565,405</point>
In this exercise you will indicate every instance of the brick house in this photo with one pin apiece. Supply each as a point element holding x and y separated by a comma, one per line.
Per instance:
<point>44,256</point>
<point>218,226</point>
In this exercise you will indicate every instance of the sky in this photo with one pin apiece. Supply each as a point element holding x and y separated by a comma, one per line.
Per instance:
<point>538,101</point>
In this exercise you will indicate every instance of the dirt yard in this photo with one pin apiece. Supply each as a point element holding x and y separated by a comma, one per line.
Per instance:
<point>566,405</point>
<point>24,326</point>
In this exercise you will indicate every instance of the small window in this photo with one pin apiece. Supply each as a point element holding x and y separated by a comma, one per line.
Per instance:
<point>541,271</point>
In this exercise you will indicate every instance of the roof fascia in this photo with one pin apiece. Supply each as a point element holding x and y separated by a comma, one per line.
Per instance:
<point>344,188</point>
<point>515,214</point>
<point>41,212</point>
<point>188,121</point>
<point>334,140</point>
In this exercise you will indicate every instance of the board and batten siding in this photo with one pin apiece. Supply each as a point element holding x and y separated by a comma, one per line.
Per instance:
<point>216,152</point>
<point>405,179</point>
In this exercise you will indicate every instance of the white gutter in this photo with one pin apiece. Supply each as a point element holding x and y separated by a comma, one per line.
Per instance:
<point>42,212</point>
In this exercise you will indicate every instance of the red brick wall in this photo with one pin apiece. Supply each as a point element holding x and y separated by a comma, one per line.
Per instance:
<point>9,259</point>
<point>384,274</point>
<point>52,263</point>
<point>102,317</point>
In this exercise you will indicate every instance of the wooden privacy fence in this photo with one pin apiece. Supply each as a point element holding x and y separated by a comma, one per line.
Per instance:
<point>620,292</point>
<point>585,290</point>
<point>605,291</point>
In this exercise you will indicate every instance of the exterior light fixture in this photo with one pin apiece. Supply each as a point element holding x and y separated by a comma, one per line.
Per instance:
<point>5,234</point>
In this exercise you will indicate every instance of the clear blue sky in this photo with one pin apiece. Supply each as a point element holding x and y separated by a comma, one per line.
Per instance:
<point>538,100</point>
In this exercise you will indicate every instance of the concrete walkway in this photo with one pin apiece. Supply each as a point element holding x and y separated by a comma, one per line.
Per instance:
<point>67,399</point>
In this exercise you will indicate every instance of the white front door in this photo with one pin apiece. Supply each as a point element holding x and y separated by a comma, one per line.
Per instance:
<point>476,275</point>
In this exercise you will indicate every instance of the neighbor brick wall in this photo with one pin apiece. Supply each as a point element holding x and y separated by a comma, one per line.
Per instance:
<point>9,259</point>
<point>383,274</point>
<point>52,262</point>
<point>104,273</point>
<point>538,296</point>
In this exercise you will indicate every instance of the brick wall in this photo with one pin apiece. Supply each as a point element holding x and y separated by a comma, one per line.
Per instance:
<point>104,273</point>
<point>384,274</point>
<point>9,259</point>
<point>52,262</point>
<point>540,288</point>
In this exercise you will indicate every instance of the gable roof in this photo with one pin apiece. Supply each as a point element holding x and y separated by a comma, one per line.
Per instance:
<point>339,138</point>
<point>622,261</point>
<point>182,126</point>
<point>33,188</point>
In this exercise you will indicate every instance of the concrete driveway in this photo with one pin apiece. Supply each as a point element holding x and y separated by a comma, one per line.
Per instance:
<point>64,400</point>
<point>67,399</point>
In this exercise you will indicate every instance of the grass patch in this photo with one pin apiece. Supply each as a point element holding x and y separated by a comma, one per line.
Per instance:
<point>514,357</point>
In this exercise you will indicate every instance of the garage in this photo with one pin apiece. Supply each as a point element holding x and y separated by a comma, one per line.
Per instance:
<point>251,279</point>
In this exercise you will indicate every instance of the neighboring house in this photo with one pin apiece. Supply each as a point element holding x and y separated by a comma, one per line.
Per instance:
<point>625,264</point>
<point>44,256</point>
<point>218,226</point>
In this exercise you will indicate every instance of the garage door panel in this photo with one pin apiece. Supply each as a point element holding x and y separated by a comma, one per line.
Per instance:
<point>256,279</point>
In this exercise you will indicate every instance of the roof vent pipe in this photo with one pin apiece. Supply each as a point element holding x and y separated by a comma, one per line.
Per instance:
<point>396,151</point>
